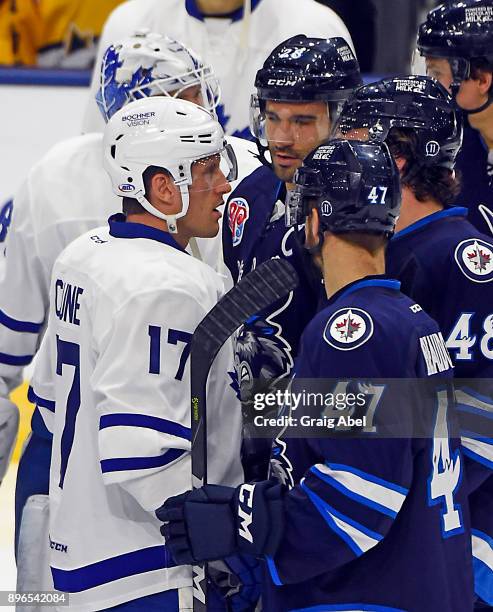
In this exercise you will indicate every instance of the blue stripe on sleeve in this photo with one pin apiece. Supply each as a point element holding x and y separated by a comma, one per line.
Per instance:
<point>352,495</point>
<point>16,360</point>
<point>140,463</point>
<point>370,477</point>
<point>475,457</point>
<point>465,433</point>
<point>142,420</point>
<point>274,574</point>
<point>485,414</point>
<point>324,508</point>
<point>483,581</point>
<point>40,401</point>
<point>483,536</point>
<point>482,398</point>
<point>110,570</point>
<point>19,326</point>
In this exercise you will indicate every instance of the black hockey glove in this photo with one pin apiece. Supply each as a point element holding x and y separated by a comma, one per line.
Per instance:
<point>215,522</point>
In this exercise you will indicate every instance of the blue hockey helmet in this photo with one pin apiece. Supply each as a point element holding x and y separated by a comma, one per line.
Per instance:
<point>149,64</point>
<point>459,31</point>
<point>414,102</point>
<point>353,185</point>
<point>303,69</point>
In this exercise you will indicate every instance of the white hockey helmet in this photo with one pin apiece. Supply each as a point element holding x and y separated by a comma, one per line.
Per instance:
<point>168,133</point>
<point>151,64</point>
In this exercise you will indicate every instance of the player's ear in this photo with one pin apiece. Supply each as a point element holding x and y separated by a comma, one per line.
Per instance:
<point>400,162</point>
<point>164,192</point>
<point>312,227</point>
<point>484,79</point>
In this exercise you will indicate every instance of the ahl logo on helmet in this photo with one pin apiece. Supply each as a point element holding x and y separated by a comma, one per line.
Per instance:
<point>432,148</point>
<point>126,187</point>
<point>475,259</point>
<point>348,329</point>
<point>238,213</point>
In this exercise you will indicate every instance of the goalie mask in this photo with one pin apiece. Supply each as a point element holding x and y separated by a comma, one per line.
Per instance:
<point>150,64</point>
<point>168,133</point>
<point>354,186</point>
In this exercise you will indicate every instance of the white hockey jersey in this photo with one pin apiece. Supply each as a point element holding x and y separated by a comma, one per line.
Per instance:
<point>124,304</point>
<point>65,194</point>
<point>236,47</point>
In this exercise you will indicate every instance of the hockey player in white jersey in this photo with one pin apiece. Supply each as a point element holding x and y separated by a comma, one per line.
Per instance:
<point>235,42</point>
<point>66,193</point>
<point>124,302</point>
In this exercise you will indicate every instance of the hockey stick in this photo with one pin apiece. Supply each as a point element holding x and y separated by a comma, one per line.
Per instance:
<point>266,284</point>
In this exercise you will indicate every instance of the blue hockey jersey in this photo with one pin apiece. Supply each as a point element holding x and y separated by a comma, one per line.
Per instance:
<point>254,231</point>
<point>476,184</point>
<point>374,523</point>
<point>446,265</point>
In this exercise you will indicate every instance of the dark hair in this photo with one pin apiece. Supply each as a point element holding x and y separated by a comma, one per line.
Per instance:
<point>481,64</point>
<point>426,182</point>
<point>131,206</point>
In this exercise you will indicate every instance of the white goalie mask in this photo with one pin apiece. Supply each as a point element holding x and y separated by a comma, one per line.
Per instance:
<point>168,133</point>
<point>150,64</point>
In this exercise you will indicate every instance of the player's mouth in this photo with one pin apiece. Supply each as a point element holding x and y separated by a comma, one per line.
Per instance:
<point>286,160</point>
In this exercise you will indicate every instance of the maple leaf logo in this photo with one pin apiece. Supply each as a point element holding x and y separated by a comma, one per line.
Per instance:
<point>348,327</point>
<point>479,258</point>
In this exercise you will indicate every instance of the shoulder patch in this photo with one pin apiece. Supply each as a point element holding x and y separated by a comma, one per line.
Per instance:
<point>475,259</point>
<point>348,329</point>
<point>238,213</point>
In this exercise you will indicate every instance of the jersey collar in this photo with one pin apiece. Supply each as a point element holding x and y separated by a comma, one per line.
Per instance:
<point>194,11</point>
<point>368,281</point>
<point>453,211</point>
<point>120,228</point>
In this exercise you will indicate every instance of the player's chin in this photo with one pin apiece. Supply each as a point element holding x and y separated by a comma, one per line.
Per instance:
<point>210,229</point>
<point>285,174</point>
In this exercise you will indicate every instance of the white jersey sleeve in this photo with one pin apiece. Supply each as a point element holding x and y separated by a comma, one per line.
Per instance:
<point>235,48</point>
<point>23,296</point>
<point>65,194</point>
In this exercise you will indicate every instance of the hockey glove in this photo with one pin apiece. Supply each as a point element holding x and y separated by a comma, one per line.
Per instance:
<point>214,522</point>
<point>237,581</point>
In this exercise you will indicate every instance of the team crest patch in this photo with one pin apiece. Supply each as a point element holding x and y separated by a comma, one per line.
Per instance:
<point>475,258</point>
<point>348,329</point>
<point>238,213</point>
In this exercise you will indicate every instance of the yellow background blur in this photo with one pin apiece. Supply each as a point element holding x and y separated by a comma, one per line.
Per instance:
<point>19,397</point>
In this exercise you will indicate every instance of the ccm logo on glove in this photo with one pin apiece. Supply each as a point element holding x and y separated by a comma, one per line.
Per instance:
<point>245,497</point>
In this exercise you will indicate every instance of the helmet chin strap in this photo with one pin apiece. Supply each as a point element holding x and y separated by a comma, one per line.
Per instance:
<point>481,108</point>
<point>455,90</point>
<point>171,220</point>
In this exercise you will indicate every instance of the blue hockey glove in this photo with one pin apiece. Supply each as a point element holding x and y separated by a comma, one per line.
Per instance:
<point>215,522</point>
<point>237,581</point>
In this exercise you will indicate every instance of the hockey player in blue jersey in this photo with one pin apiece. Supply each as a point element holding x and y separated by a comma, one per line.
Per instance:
<point>370,523</point>
<point>300,89</point>
<point>442,261</point>
<point>456,41</point>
